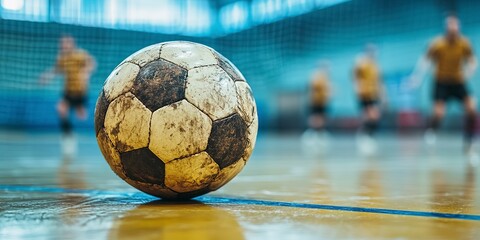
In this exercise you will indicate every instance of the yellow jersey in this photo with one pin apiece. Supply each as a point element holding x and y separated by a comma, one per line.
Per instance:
<point>367,76</point>
<point>449,57</point>
<point>74,66</point>
<point>319,89</point>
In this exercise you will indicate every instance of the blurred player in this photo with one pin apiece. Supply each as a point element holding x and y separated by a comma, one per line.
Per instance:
<point>368,89</point>
<point>76,65</point>
<point>319,95</point>
<point>454,63</point>
<point>319,89</point>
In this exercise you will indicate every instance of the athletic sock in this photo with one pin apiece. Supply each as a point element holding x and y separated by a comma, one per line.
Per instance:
<point>469,128</point>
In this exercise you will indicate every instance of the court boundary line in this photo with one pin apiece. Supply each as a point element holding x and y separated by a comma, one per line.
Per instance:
<point>247,201</point>
<point>412,213</point>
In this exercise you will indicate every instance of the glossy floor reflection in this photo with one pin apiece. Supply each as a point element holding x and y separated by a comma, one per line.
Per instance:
<point>287,191</point>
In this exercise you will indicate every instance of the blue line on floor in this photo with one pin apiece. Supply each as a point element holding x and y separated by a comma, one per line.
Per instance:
<point>241,201</point>
<point>207,199</point>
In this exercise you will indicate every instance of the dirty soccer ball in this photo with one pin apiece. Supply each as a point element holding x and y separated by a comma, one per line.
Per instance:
<point>176,120</point>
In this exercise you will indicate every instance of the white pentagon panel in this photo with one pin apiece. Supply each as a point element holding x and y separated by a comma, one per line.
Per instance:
<point>127,123</point>
<point>145,55</point>
<point>227,174</point>
<point>120,80</point>
<point>187,54</point>
<point>246,102</point>
<point>179,130</point>
<point>211,90</point>
<point>191,173</point>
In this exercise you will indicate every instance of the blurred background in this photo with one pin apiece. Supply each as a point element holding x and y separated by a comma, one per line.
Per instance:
<point>276,44</point>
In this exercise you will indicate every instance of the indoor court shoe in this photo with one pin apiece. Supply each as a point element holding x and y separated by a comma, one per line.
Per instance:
<point>315,142</point>
<point>366,144</point>
<point>323,142</point>
<point>471,153</point>
<point>473,158</point>
<point>69,145</point>
<point>308,140</point>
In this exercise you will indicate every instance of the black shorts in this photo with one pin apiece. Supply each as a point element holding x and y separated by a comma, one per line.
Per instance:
<point>447,91</point>
<point>318,109</point>
<point>367,102</point>
<point>75,101</point>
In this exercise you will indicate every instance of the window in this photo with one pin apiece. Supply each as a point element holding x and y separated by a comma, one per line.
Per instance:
<point>30,10</point>
<point>234,16</point>
<point>187,17</point>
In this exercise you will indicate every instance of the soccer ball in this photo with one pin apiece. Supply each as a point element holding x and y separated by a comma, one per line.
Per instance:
<point>176,120</point>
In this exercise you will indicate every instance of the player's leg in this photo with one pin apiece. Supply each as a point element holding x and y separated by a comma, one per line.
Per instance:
<point>316,122</point>
<point>63,109</point>
<point>81,108</point>
<point>317,118</point>
<point>315,138</point>
<point>78,103</point>
<point>82,112</point>
<point>470,121</point>
<point>440,95</point>
<point>437,115</point>
<point>372,116</point>
<point>434,122</point>
<point>69,144</point>
<point>364,105</point>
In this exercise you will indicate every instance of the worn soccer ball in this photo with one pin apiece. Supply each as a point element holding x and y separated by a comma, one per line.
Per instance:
<point>176,120</point>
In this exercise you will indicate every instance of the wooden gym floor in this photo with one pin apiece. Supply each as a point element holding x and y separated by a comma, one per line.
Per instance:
<point>287,191</point>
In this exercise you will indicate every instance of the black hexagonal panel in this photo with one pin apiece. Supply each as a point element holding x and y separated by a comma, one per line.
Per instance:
<point>160,83</point>
<point>100,112</point>
<point>226,65</point>
<point>144,166</point>
<point>228,140</point>
<point>193,194</point>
